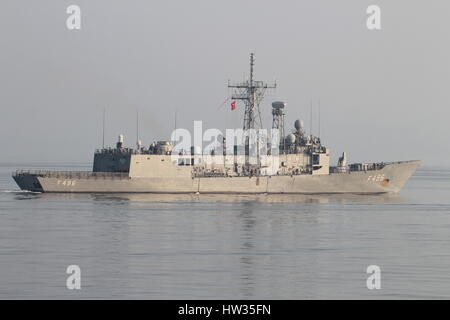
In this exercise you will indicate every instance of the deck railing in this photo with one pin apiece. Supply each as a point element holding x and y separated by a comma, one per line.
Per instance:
<point>72,174</point>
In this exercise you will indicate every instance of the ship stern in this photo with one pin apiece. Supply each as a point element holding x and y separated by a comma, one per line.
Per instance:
<point>27,181</point>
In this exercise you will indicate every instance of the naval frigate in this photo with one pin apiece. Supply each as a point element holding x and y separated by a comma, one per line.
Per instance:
<point>298,164</point>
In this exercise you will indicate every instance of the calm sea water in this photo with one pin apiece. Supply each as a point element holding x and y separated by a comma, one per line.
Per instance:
<point>226,247</point>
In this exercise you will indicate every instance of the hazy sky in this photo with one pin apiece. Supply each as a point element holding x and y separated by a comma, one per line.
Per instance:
<point>384,94</point>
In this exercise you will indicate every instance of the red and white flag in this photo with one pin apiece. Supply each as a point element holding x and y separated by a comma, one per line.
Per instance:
<point>233,105</point>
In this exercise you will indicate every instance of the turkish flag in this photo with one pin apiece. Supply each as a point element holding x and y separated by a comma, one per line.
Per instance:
<point>233,105</point>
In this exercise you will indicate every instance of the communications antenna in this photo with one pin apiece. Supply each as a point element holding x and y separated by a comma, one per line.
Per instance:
<point>138,141</point>
<point>311,119</point>
<point>103,128</point>
<point>251,92</point>
<point>319,119</point>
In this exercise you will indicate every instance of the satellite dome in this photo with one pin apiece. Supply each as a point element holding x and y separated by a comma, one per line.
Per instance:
<point>290,139</point>
<point>298,124</point>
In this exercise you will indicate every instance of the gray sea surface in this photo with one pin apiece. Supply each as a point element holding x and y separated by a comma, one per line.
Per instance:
<point>225,247</point>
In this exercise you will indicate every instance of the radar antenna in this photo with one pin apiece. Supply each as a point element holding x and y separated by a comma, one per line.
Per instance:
<point>251,92</point>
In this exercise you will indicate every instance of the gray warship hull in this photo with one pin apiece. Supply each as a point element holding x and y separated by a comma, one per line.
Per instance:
<point>389,179</point>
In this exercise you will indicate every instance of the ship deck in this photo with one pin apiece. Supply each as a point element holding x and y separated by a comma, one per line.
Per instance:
<point>71,174</point>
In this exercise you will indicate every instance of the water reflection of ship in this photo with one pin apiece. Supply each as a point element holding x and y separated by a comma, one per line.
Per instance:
<point>269,198</point>
<point>119,198</point>
<point>255,253</point>
<point>248,222</point>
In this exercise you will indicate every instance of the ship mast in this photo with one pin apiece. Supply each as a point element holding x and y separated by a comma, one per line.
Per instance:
<point>251,92</point>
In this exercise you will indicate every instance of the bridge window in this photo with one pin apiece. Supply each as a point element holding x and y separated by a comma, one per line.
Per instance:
<point>316,159</point>
<point>185,162</point>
